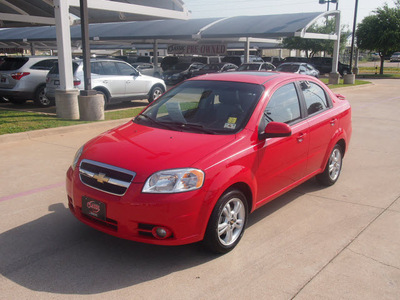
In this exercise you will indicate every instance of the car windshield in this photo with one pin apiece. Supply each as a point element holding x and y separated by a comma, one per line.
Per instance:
<point>287,68</point>
<point>181,66</point>
<point>214,67</point>
<point>249,67</point>
<point>212,107</point>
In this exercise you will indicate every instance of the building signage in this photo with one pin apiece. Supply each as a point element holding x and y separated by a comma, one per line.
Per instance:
<point>204,49</point>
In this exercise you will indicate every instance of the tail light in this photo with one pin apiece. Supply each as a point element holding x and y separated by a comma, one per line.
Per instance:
<point>19,75</point>
<point>77,82</point>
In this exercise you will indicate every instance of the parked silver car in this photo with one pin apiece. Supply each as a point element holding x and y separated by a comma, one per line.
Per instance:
<point>23,78</point>
<point>117,80</point>
<point>395,57</point>
<point>257,66</point>
<point>300,68</point>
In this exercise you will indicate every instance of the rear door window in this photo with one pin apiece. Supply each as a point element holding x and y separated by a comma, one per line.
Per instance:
<point>110,68</point>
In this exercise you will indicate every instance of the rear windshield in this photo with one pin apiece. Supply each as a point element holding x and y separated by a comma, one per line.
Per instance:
<point>54,69</point>
<point>13,63</point>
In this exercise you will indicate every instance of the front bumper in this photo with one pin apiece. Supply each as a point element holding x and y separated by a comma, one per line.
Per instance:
<point>134,215</point>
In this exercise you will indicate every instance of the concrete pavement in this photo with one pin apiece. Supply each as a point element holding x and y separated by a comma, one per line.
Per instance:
<point>341,242</point>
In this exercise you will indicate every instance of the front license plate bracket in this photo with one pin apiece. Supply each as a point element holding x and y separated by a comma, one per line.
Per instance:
<point>94,208</point>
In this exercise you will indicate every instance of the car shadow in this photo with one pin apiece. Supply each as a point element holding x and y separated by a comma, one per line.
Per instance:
<point>58,254</point>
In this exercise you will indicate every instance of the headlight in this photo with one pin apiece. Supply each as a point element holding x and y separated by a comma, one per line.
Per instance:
<point>76,158</point>
<point>174,181</point>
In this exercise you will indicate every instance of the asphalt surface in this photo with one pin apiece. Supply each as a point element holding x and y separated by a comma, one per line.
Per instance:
<point>341,242</point>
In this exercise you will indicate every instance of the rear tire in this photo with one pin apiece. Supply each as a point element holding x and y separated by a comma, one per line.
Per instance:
<point>105,96</point>
<point>333,167</point>
<point>227,222</point>
<point>41,99</point>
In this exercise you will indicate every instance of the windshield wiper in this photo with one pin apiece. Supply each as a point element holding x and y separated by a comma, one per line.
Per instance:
<point>157,122</point>
<point>193,126</point>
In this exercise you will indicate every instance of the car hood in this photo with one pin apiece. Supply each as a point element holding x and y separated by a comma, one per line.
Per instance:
<point>145,150</point>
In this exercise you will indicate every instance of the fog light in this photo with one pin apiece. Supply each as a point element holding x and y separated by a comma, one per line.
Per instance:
<point>161,232</point>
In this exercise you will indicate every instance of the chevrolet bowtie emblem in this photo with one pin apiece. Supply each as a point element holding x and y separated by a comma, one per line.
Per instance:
<point>101,178</point>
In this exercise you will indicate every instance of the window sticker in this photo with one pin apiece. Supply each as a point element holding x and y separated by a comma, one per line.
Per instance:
<point>231,124</point>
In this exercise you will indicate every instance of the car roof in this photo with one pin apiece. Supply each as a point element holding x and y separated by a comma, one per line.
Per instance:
<point>293,64</point>
<point>247,77</point>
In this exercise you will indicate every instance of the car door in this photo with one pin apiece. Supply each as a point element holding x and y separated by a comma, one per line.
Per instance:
<point>135,84</point>
<point>282,161</point>
<point>322,122</point>
<point>110,78</point>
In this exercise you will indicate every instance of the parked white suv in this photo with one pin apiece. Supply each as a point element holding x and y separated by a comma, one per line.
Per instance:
<point>117,80</point>
<point>23,78</point>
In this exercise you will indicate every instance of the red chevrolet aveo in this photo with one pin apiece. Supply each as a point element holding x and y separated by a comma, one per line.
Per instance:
<point>198,160</point>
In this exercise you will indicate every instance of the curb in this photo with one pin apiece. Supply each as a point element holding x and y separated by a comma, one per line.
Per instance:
<point>28,135</point>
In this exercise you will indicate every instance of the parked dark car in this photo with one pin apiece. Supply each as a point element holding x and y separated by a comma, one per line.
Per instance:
<point>180,72</point>
<point>299,68</point>
<point>295,59</point>
<point>257,66</point>
<point>324,65</point>
<point>215,68</point>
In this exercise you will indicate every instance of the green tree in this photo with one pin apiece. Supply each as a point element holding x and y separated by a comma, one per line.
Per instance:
<point>313,46</point>
<point>380,32</point>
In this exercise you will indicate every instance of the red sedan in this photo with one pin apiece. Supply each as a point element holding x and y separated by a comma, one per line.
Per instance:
<point>196,162</point>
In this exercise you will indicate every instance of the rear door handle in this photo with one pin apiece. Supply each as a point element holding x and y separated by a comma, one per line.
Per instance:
<point>333,122</point>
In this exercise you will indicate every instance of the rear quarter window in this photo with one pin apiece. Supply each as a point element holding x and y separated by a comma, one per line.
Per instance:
<point>314,96</point>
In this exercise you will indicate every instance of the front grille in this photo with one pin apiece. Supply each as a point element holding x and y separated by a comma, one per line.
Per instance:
<point>105,177</point>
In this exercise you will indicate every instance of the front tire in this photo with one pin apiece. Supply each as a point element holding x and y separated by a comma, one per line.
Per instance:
<point>333,167</point>
<point>155,92</point>
<point>41,99</point>
<point>227,222</point>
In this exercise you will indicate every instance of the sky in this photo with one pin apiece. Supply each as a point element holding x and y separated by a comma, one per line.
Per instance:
<point>230,8</point>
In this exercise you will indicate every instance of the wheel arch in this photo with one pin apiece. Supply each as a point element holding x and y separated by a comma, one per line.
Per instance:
<point>156,85</point>
<point>103,90</point>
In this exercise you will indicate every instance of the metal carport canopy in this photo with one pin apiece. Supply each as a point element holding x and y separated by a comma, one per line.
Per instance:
<point>217,29</point>
<point>21,13</point>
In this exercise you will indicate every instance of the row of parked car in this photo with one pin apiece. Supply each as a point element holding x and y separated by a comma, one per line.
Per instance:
<point>37,77</point>
<point>185,70</point>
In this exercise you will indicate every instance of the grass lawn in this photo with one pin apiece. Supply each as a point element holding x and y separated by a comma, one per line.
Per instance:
<point>12,121</point>
<point>333,86</point>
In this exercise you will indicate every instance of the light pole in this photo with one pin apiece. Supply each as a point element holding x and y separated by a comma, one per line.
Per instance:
<point>352,36</point>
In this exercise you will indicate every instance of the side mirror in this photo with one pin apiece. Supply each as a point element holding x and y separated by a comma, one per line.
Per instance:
<point>276,129</point>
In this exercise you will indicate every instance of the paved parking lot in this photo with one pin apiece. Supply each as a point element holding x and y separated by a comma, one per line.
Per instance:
<point>341,242</point>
